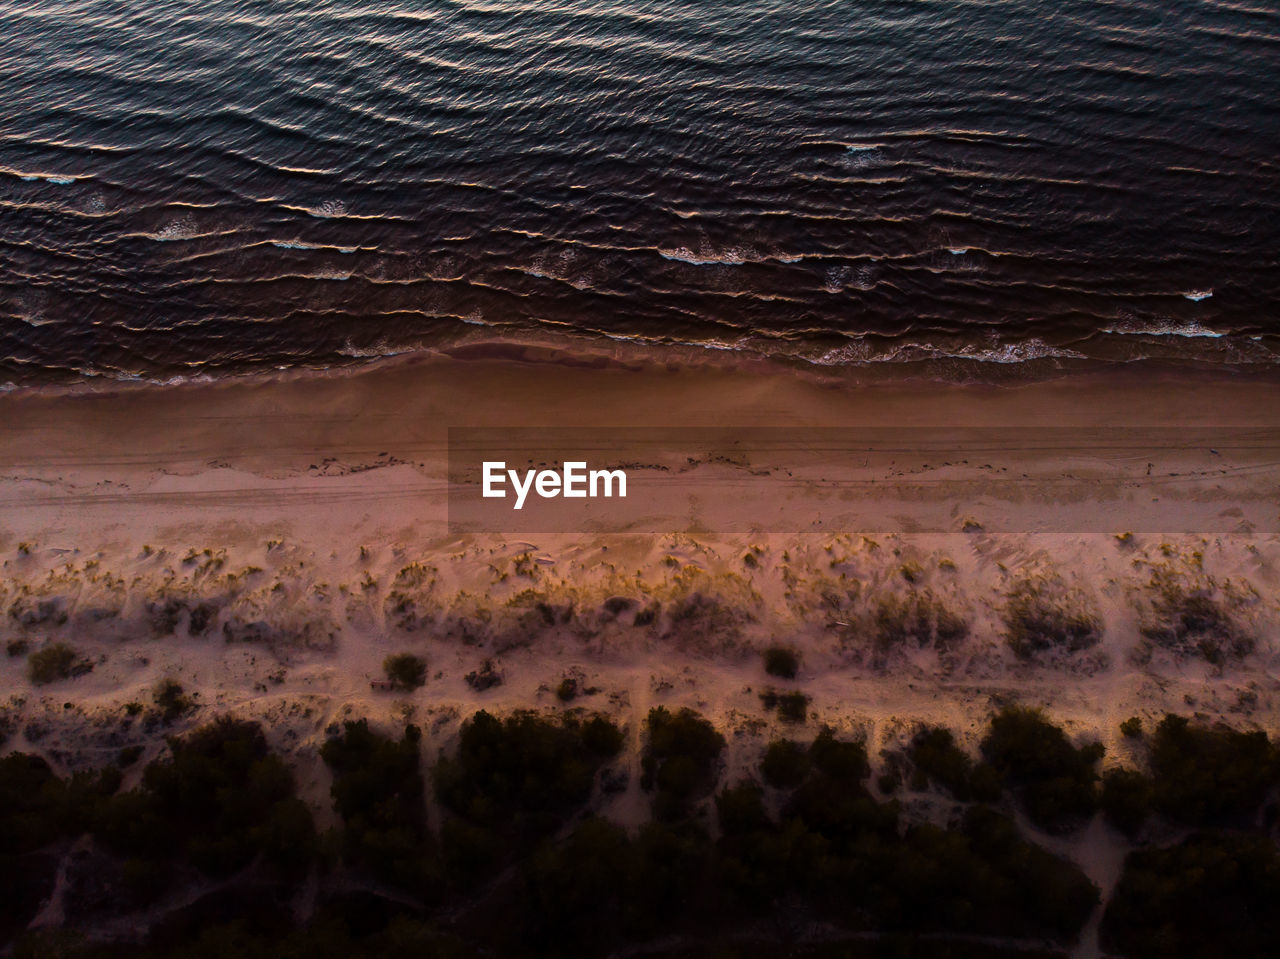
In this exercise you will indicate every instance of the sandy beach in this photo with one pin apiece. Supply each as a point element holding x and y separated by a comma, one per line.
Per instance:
<point>268,542</point>
<point>314,505</point>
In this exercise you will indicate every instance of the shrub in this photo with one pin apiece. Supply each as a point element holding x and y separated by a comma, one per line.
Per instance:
<point>17,647</point>
<point>1131,728</point>
<point>919,617</point>
<point>1208,776</point>
<point>378,791</point>
<point>939,760</point>
<point>525,774</point>
<point>781,662</point>
<point>842,761</point>
<point>170,699</point>
<point>567,691</point>
<point>221,801</point>
<point>56,661</point>
<point>601,737</point>
<point>1190,616</point>
<point>405,670</point>
<point>1208,896</point>
<point>1045,615</point>
<point>1055,780</point>
<point>486,677</point>
<point>678,759</point>
<point>31,800</point>
<point>793,707</point>
<point>785,764</point>
<point>1127,797</point>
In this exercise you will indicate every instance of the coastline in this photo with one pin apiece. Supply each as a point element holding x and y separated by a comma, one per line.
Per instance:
<point>340,480</point>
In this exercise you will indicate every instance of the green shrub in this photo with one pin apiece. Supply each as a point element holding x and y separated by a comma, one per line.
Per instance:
<point>524,775</point>
<point>793,707</point>
<point>1127,799</point>
<point>679,759</point>
<point>938,759</point>
<point>222,800</point>
<point>1206,776</point>
<point>785,764</point>
<point>842,761</point>
<point>378,791</point>
<point>405,671</point>
<point>567,691</point>
<point>170,699</point>
<point>56,661</point>
<point>782,662</point>
<point>1045,615</point>
<point>1209,896</point>
<point>740,809</point>
<point>918,618</point>
<point>1055,781</point>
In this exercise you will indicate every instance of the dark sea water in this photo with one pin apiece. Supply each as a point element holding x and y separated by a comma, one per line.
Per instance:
<point>206,188</point>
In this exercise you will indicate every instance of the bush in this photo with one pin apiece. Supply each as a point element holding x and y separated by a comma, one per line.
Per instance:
<point>486,677</point>
<point>781,662</point>
<point>785,764</point>
<point>1209,896</point>
<point>939,760</point>
<point>918,617</point>
<point>793,707</point>
<point>221,801</point>
<point>378,791</point>
<point>17,647</point>
<point>524,775</point>
<point>171,701</point>
<point>405,671</point>
<point>1127,798</point>
<point>31,802</point>
<point>567,691</point>
<point>678,760</point>
<point>1055,781</point>
<point>842,761</point>
<point>56,661</point>
<point>1190,616</point>
<point>1210,776</point>
<point>1045,616</point>
<point>1131,728</point>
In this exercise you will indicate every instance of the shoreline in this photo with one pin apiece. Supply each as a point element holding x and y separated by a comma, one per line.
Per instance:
<point>638,355</point>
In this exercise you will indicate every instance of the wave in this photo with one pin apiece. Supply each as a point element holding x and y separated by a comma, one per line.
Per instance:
<point>1189,330</point>
<point>685,255</point>
<point>58,179</point>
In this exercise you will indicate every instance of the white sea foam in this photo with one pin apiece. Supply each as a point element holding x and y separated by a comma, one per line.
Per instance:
<point>860,353</point>
<point>1165,329</point>
<point>1198,295</point>
<point>57,179</point>
<point>329,208</point>
<point>683,254</point>
<point>182,228</point>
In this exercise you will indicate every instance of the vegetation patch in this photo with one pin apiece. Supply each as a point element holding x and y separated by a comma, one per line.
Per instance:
<point>781,661</point>
<point>378,791</point>
<point>54,662</point>
<point>1191,615</point>
<point>679,760</point>
<point>1210,895</point>
<point>938,760</point>
<point>1055,781</point>
<point>1044,616</point>
<point>405,671</point>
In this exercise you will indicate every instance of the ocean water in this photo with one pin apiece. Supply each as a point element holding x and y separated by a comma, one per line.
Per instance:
<point>963,188</point>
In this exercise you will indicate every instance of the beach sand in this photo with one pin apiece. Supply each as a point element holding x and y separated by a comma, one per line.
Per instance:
<point>267,542</point>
